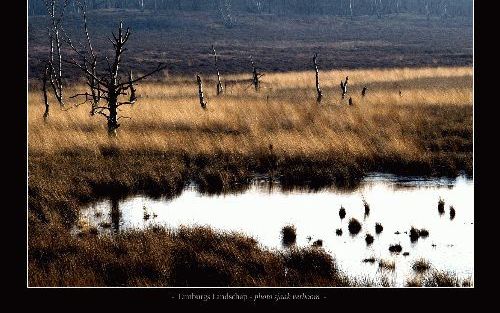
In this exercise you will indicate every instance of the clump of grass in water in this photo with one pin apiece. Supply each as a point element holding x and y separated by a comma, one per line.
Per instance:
<point>421,266</point>
<point>378,228</point>
<point>424,233</point>
<point>338,232</point>
<point>452,212</point>
<point>342,212</point>
<point>414,234</point>
<point>395,248</point>
<point>318,243</point>
<point>354,226</point>
<point>387,265</point>
<point>367,208</point>
<point>369,239</point>
<point>441,206</point>
<point>146,214</point>
<point>417,233</point>
<point>288,235</point>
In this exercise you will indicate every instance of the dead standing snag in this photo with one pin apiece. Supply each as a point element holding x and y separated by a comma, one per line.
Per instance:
<point>53,68</point>
<point>318,88</point>
<point>109,87</point>
<point>219,83</point>
<point>200,93</point>
<point>255,76</point>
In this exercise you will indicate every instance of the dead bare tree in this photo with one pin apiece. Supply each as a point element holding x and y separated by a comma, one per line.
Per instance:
<point>91,82</point>
<point>255,75</point>
<point>220,89</point>
<point>200,93</point>
<point>53,67</point>
<point>109,86</point>
<point>318,88</point>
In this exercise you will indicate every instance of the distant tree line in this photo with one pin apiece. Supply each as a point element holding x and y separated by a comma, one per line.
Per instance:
<point>441,8</point>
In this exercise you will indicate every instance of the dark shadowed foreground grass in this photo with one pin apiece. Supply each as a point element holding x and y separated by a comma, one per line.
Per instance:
<point>186,257</point>
<point>438,278</point>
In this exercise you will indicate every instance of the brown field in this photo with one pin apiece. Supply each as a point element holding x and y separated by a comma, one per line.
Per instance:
<point>433,116</point>
<point>170,141</point>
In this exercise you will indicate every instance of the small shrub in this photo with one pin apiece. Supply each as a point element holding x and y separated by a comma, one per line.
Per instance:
<point>378,228</point>
<point>338,232</point>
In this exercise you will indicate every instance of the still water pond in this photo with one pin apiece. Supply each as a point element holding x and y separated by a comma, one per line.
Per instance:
<point>262,210</point>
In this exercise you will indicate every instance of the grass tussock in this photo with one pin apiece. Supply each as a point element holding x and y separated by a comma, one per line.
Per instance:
<point>387,264</point>
<point>369,239</point>
<point>318,243</point>
<point>452,212</point>
<point>395,248</point>
<point>415,233</point>
<point>421,265</point>
<point>342,213</point>
<point>288,235</point>
<point>367,208</point>
<point>378,228</point>
<point>441,206</point>
<point>354,226</point>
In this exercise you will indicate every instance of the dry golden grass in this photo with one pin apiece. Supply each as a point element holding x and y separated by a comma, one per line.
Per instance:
<point>168,117</point>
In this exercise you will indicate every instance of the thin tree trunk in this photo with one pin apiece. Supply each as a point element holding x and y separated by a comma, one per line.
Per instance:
<point>113,115</point>
<point>45,98</point>
<point>200,93</point>
<point>318,88</point>
<point>219,83</point>
<point>255,77</point>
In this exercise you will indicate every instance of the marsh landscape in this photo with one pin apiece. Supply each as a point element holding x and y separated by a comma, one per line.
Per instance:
<point>248,190</point>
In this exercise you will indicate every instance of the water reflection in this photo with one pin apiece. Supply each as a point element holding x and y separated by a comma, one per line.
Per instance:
<point>395,205</point>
